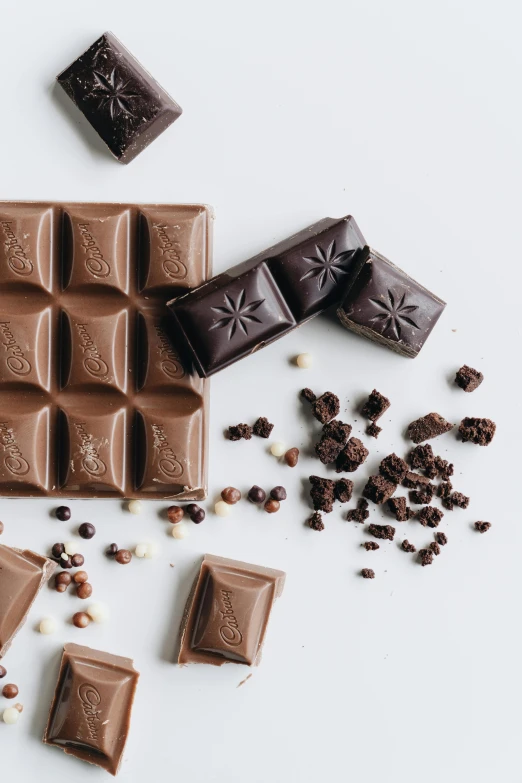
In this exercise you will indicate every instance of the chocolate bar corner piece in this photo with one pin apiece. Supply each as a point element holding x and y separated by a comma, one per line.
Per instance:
<point>22,575</point>
<point>124,104</point>
<point>228,612</point>
<point>92,705</point>
<point>386,305</point>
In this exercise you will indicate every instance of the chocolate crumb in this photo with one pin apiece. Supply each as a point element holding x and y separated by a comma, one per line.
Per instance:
<point>441,538</point>
<point>425,557</point>
<point>435,548</point>
<point>337,430</point>
<point>373,430</point>
<point>326,407</point>
<point>262,427</point>
<point>478,431</point>
<point>393,468</point>
<point>421,457</point>
<point>322,493</point>
<point>468,379</point>
<point>352,456</point>
<point>240,431</point>
<point>375,406</point>
<point>379,489</point>
<point>422,496</point>
<point>368,573</point>
<point>371,546</point>
<point>308,395</point>
<point>482,527</point>
<point>444,468</point>
<point>386,532</point>
<point>328,450</point>
<point>359,514</point>
<point>412,480</point>
<point>430,516</point>
<point>399,509</point>
<point>456,499</point>
<point>407,547</point>
<point>445,489</point>
<point>343,490</point>
<point>316,521</point>
<point>427,427</point>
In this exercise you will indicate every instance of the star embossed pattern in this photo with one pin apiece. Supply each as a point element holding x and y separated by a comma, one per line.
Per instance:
<point>395,314</point>
<point>327,265</point>
<point>113,93</point>
<point>236,315</point>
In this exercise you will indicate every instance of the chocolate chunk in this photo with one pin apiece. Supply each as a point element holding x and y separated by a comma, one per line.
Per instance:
<point>343,490</point>
<point>425,557</point>
<point>123,103</point>
<point>359,514</point>
<point>421,457</point>
<point>316,521</point>
<point>262,427</point>
<point>328,450</point>
<point>441,538</point>
<point>386,305</point>
<point>337,430</point>
<point>399,509</point>
<point>386,532</point>
<point>407,547</point>
<point>482,527</point>
<point>352,456</point>
<point>468,379</point>
<point>379,489</point>
<point>412,480</point>
<point>429,426</point>
<point>430,516</point>
<point>368,573</point>
<point>444,468</point>
<point>239,431</point>
<point>228,612</point>
<point>422,496</point>
<point>445,489</point>
<point>326,407</point>
<point>308,395</point>
<point>371,546</point>
<point>478,431</point>
<point>322,493</point>
<point>435,548</point>
<point>393,468</point>
<point>373,430</point>
<point>460,500</point>
<point>375,406</point>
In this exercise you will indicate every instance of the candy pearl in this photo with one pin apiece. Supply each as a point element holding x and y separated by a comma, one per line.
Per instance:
<point>140,550</point>
<point>151,551</point>
<point>179,530</point>
<point>222,509</point>
<point>304,361</point>
<point>71,548</point>
<point>278,449</point>
<point>47,626</point>
<point>134,506</point>
<point>10,715</point>
<point>99,613</point>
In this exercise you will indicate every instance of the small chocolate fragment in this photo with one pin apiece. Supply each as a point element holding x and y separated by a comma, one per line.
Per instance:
<point>337,430</point>
<point>239,431</point>
<point>256,495</point>
<point>407,547</point>
<point>421,457</point>
<point>425,557</point>
<point>308,395</point>
<point>316,521</point>
<point>427,427</point>
<point>379,489</point>
<point>482,527</point>
<point>399,509</point>
<point>430,516</point>
<point>375,406</point>
<point>368,573</point>
<point>441,538</point>
<point>444,468</point>
<point>328,450</point>
<point>478,431</point>
<point>373,430</point>
<point>351,457</point>
<point>412,480</point>
<point>468,379</point>
<point>262,427</point>
<point>422,496</point>
<point>343,490</point>
<point>91,709</point>
<point>435,548</point>
<point>228,612</point>
<point>322,493</point>
<point>386,532</point>
<point>445,489</point>
<point>393,468</point>
<point>359,514</point>
<point>326,407</point>
<point>460,500</point>
<point>371,546</point>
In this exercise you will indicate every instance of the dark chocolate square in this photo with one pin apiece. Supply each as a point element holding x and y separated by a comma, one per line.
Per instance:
<point>388,306</point>
<point>123,103</point>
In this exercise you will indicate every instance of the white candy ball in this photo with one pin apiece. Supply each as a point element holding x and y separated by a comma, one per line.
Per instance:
<point>151,551</point>
<point>179,530</point>
<point>222,509</point>
<point>304,361</point>
<point>278,449</point>
<point>10,715</point>
<point>134,506</point>
<point>99,613</point>
<point>47,625</point>
<point>71,548</point>
<point>141,550</point>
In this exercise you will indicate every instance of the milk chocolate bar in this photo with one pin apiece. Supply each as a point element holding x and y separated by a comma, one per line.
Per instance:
<point>123,103</point>
<point>91,709</point>
<point>228,612</point>
<point>22,575</point>
<point>95,399</point>
<point>254,303</point>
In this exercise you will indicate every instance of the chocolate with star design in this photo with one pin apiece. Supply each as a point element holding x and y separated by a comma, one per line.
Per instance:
<point>385,304</point>
<point>252,304</point>
<point>121,100</point>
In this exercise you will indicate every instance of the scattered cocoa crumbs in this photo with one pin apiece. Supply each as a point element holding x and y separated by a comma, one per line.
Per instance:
<point>457,499</point>
<point>373,430</point>
<point>328,450</point>
<point>352,456</point>
<point>441,538</point>
<point>371,546</point>
<point>425,557</point>
<point>375,406</point>
<point>407,547</point>
<point>422,496</point>
<point>427,427</point>
<point>399,509</point>
<point>430,516</point>
<point>393,468</point>
<point>337,430</point>
<point>435,548</point>
<point>478,431</point>
<point>322,493</point>
<point>468,379</point>
<point>343,490</point>
<point>368,573</point>
<point>421,457</point>
<point>316,521</point>
<point>444,468</point>
<point>482,527</point>
<point>431,471</point>
<point>359,514</point>
<point>445,489</point>
<point>386,532</point>
<point>379,489</point>
<point>262,427</point>
<point>308,395</point>
<point>239,431</point>
<point>326,407</point>
<point>412,480</point>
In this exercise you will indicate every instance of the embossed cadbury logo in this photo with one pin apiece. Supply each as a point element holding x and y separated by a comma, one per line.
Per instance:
<point>94,260</point>
<point>171,261</point>
<point>17,258</point>
<point>168,463</point>
<point>394,314</point>
<point>170,363</point>
<point>229,632</point>
<point>16,359</point>
<point>113,93</point>
<point>236,314</point>
<point>327,265</point>
<point>92,463</point>
<point>14,460</point>
<point>90,698</point>
<point>92,361</point>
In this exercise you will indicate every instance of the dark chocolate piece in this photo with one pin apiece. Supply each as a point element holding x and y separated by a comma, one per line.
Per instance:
<point>343,490</point>
<point>22,575</point>
<point>373,430</point>
<point>240,432</point>
<point>262,427</point>
<point>407,547</point>
<point>228,612</point>
<point>326,407</point>
<point>124,104</point>
<point>468,379</point>
<point>352,456</point>
<point>316,521</point>
<point>478,431</point>
<point>482,527</point>
<point>254,303</point>
<point>328,450</point>
<point>359,514</point>
<point>427,427</point>
<point>445,489</point>
<point>421,457</point>
<point>322,493</point>
<point>386,532</point>
<point>91,710</point>
<point>337,430</point>
<point>423,495</point>
<point>430,516</point>
<point>386,305</point>
<point>393,468</point>
<point>435,548</point>
<point>456,499</point>
<point>375,406</point>
<point>399,509</point>
<point>441,538</point>
<point>371,546</point>
<point>379,489</point>
<point>425,557</point>
<point>308,395</point>
<point>368,573</point>
<point>444,468</point>
<point>412,480</point>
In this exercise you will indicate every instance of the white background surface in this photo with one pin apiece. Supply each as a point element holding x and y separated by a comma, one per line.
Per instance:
<point>407,115</point>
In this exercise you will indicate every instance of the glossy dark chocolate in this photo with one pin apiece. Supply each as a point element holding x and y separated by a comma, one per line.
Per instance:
<point>95,400</point>
<point>91,710</point>
<point>123,103</point>
<point>386,305</point>
<point>254,303</point>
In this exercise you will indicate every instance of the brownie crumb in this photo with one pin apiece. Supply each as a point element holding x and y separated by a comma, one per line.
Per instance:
<point>412,480</point>
<point>316,521</point>
<point>322,494</point>
<point>478,431</point>
<point>337,430</point>
<point>382,531</point>
<point>393,468</point>
<point>435,548</point>
<point>379,489</point>
<point>368,573</point>
<point>425,557</point>
<point>422,496</point>
<point>308,395</point>
<point>421,457</point>
<point>239,431</point>
<point>375,406</point>
<point>430,516</point>
<point>456,499</point>
<point>373,430</point>
<point>343,490</point>
<point>359,514</point>
<point>445,489</point>
<point>262,427</point>
<point>428,427</point>
<point>482,527</point>
<point>399,509</point>
<point>371,546</point>
<point>326,407</point>
<point>328,450</point>
<point>352,456</point>
<point>468,379</point>
<point>441,538</point>
<point>444,468</point>
<point>407,547</point>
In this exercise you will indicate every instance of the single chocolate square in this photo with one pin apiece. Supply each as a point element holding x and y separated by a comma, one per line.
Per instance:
<point>121,100</point>
<point>386,305</point>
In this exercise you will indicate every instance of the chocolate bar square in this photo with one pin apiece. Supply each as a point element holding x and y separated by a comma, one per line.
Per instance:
<point>386,305</point>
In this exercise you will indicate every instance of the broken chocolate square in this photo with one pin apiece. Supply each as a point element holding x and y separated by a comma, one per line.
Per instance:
<point>343,490</point>
<point>262,427</point>
<point>478,431</point>
<point>373,430</point>
<point>375,406</point>
<point>239,431</point>
<point>322,493</point>
<point>393,468</point>
<point>385,532</point>
<point>468,379</point>
<point>352,456</point>
<point>337,430</point>
<point>333,438</point>
<point>379,489</point>
<point>399,509</point>
<point>326,407</point>
<point>427,427</point>
<point>425,557</point>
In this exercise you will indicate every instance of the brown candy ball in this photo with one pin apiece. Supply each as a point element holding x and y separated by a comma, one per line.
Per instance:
<point>63,513</point>
<point>123,556</point>
<point>278,493</point>
<point>63,578</point>
<point>272,505</point>
<point>10,691</point>
<point>81,619</point>
<point>84,590</point>
<point>77,560</point>
<point>256,494</point>
<point>57,550</point>
<point>1,528</point>
<point>111,550</point>
<point>175,514</point>
<point>80,577</point>
<point>231,495</point>
<point>3,671</point>
<point>86,530</point>
<point>292,457</point>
